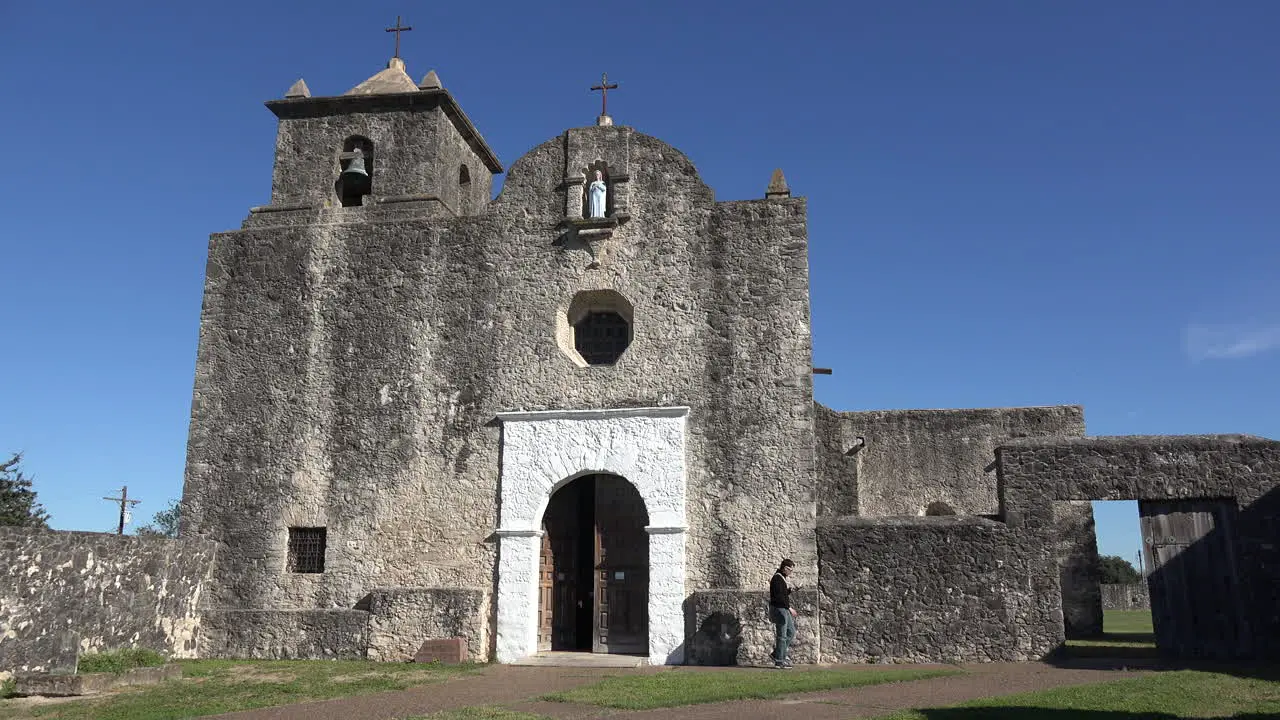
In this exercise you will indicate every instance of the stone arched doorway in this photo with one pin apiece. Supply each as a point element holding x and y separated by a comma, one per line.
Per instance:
<point>593,578</point>
<point>542,452</point>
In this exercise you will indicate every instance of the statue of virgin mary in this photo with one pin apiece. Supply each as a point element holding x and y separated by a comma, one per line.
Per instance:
<point>595,197</point>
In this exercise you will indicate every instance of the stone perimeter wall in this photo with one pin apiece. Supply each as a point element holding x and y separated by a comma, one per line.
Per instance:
<point>1035,474</point>
<point>1126,596</point>
<point>913,458</point>
<point>64,593</point>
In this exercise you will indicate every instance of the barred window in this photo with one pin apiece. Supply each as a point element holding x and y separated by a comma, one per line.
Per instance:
<point>306,549</point>
<point>601,337</point>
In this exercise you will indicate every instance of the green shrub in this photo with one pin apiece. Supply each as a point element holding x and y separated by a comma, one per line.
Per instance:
<point>119,661</point>
<point>7,689</point>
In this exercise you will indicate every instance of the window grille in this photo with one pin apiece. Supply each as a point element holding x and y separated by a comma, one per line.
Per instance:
<point>601,337</point>
<point>306,550</point>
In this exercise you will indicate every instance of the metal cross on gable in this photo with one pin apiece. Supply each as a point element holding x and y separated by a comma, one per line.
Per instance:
<point>397,30</point>
<point>604,87</point>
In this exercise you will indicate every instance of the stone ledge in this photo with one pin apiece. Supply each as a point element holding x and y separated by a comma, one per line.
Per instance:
<point>58,685</point>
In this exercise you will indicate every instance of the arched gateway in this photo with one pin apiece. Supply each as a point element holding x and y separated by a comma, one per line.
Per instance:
<point>581,492</point>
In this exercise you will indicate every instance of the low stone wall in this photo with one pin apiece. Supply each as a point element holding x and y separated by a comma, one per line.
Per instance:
<point>337,633</point>
<point>1127,596</point>
<point>932,589</point>
<point>732,627</point>
<point>402,618</point>
<point>388,624</point>
<point>63,593</point>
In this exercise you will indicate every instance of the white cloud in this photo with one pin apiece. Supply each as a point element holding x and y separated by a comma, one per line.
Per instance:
<point>1222,342</point>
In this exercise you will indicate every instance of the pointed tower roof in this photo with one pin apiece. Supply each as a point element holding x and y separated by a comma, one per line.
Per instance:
<point>777,186</point>
<point>392,80</point>
<point>430,82</point>
<point>298,90</point>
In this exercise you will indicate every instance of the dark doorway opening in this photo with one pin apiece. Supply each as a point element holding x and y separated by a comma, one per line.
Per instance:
<point>594,568</point>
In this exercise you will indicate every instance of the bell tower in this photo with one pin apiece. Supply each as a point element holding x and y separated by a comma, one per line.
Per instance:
<point>388,142</point>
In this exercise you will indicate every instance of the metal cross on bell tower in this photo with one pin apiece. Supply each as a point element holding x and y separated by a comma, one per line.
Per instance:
<point>604,87</point>
<point>397,30</point>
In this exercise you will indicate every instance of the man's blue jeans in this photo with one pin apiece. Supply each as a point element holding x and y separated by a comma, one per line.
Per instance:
<point>786,627</point>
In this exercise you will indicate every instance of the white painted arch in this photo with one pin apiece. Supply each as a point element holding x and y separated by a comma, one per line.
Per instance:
<point>543,450</point>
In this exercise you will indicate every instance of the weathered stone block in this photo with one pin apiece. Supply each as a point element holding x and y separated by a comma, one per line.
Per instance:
<point>402,618</point>
<point>286,634</point>
<point>61,685</point>
<point>448,650</point>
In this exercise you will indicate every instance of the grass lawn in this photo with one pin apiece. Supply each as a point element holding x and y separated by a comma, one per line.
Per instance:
<point>672,688</point>
<point>209,687</point>
<point>1125,633</point>
<point>1159,696</point>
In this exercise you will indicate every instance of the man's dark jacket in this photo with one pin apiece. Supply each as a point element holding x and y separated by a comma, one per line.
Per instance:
<point>779,592</point>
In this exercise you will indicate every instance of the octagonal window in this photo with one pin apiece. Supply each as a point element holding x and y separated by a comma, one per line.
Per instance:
<point>601,337</point>
<point>595,329</point>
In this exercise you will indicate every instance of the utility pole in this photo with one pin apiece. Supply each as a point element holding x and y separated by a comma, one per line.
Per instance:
<point>125,504</point>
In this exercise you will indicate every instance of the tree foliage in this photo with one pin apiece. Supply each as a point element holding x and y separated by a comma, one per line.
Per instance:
<point>164,523</point>
<point>18,504</point>
<point>1117,571</point>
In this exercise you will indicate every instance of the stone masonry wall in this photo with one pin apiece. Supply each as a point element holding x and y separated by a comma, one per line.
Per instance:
<point>351,366</point>
<point>64,593</point>
<point>1126,596</point>
<point>1036,473</point>
<point>932,589</point>
<point>1079,571</point>
<point>913,458</point>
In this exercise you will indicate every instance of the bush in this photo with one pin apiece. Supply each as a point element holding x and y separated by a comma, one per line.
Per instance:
<point>120,661</point>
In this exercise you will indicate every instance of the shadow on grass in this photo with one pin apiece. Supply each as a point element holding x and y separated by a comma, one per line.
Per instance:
<point>1039,713</point>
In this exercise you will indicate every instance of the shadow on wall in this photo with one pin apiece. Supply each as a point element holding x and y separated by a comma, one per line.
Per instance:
<point>718,639</point>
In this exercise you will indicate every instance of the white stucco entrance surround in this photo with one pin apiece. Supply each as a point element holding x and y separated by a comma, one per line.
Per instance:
<point>541,451</point>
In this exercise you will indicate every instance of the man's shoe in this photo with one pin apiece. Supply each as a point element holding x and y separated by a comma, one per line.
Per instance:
<point>787,664</point>
<point>782,666</point>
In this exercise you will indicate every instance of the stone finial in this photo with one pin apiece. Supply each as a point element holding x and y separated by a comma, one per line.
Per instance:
<point>777,187</point>
<point>298,90</point>
<point>392,80</point>
<point>430,82</point>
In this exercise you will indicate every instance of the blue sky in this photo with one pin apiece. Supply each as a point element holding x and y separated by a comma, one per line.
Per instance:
<point>1010,203</point>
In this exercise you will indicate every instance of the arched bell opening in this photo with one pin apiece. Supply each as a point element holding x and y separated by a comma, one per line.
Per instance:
<point>355,171</point>
<point>593,570</point>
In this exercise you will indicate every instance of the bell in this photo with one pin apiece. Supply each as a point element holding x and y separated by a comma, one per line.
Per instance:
<point>354,177</point>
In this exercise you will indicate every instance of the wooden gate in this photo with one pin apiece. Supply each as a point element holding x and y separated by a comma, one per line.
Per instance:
<point>1192,578</point>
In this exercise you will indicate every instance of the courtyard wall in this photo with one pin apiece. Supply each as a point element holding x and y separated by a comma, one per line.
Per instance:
<point>64,593</point>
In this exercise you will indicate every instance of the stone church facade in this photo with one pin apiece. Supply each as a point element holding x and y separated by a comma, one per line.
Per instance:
<point>420,413</point>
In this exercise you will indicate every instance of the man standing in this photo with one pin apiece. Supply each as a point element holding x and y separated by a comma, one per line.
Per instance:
<point>782,614</point>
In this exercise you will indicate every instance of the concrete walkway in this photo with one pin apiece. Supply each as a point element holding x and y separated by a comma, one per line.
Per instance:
<point>519,687</point>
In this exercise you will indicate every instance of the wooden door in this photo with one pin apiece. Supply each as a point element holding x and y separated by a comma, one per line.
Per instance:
<point>1192,578</point>
<point>571,574</point>
<point>621,568</point>
<point>546,580</point>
